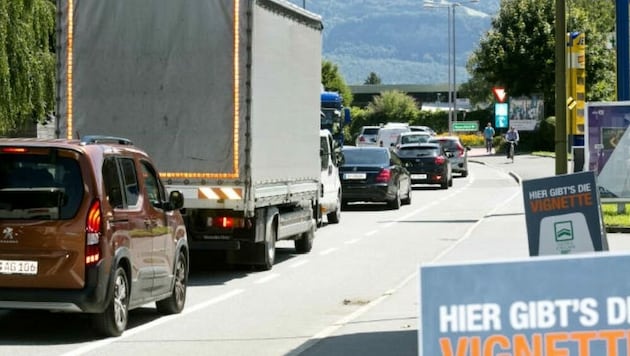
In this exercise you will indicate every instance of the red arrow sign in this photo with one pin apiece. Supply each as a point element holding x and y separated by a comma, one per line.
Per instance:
<point>499,93</point>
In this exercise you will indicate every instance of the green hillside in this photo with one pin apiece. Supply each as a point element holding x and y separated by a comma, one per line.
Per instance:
<point>400,40</point>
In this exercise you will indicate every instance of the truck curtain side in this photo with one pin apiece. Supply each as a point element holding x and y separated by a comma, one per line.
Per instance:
<point>224,95</point>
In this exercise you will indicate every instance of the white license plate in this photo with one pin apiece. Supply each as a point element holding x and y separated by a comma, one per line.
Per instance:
<point>18,267</point>
<point>354,176</point>
<point>418,176</point>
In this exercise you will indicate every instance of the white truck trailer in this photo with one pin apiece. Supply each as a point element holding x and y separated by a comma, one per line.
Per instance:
<point>224,95</point>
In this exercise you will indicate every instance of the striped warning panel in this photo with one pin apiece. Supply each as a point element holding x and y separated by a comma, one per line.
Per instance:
<point>220,193</point>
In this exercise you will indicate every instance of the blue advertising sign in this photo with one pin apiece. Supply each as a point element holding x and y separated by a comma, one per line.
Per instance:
<point>552,305</point>
<point>563,215</point>
<point>501,115</point>
<point>607,143</point>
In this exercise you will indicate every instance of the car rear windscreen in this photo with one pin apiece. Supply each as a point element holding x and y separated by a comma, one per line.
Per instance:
<point>39,185</point>
<point>357,157</point>
<point>408,152</point>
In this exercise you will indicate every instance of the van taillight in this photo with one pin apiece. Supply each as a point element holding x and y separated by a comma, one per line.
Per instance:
<point>93,234</point>
<point>384,175</point>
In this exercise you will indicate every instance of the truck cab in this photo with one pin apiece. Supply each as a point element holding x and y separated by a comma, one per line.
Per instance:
<point>329,154</point>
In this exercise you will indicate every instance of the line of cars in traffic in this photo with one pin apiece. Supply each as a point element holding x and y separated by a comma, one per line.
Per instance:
<point>388,160</point>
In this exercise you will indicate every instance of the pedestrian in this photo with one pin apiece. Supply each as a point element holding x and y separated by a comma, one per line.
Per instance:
<point>488,134</point>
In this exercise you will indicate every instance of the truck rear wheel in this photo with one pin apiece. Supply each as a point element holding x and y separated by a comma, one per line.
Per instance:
<point>267,249</point>
<point>304,244</point>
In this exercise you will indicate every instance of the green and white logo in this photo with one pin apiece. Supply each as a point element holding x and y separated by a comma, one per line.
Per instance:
<point>563,230</point>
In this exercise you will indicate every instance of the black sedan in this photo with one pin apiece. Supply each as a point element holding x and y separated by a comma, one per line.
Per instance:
<point>428,163</point>
<point>373,174</point>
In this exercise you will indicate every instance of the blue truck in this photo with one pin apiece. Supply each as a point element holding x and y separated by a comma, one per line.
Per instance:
<point>334,116</point>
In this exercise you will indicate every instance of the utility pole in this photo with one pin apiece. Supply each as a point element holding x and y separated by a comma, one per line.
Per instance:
<point>561,89</point>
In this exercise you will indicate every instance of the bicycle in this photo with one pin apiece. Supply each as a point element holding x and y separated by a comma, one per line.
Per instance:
<point>511,150</point>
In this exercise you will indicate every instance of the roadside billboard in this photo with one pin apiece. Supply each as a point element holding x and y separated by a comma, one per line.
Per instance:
<point>563,215</point>
<point>526,112</point>
<point>607,142</point>
<point>542,306</point>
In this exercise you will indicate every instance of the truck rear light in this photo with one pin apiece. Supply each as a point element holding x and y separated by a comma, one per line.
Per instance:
<point>93,232</point>
<point>361,138</point>
<point>384,175</point>
<point>226,222</point>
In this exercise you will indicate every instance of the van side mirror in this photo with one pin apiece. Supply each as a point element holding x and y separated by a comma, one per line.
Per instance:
<point>175,201</point>
<point>340,158</point>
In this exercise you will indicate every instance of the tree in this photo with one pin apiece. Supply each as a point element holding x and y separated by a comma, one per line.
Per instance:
<point>518,53</point>
<point>392,106</point>
<point>333,81</point>
<point>27,62</point>
<point>372,78</point>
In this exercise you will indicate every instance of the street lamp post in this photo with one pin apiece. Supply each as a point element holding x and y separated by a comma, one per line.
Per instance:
<point>452,64</point>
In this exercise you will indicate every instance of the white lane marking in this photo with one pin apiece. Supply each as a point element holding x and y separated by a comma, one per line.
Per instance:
<point>128,333</point>
<point>267,278</point>
<point>370,233</point>
<point>299,263</point>
<point>353,241</point>
<point>330,250</point>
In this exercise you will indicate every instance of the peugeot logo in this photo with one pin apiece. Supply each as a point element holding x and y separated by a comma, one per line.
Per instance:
<point>7,236</point>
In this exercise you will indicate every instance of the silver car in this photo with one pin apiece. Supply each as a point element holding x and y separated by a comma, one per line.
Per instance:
<point>367,136</point>
<point>459,160</point>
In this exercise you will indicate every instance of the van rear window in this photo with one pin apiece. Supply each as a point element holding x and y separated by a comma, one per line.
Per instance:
<point>39,186</point>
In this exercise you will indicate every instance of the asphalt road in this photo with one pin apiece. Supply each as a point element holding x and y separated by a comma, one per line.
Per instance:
<point>389,325</point>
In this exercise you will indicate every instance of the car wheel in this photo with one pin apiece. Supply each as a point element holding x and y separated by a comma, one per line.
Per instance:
<point>450,182</point>
<point>407,200</point>
<point>464,173</point>
<point>175,302</point>
<point>113,321</point>
<point>395,203</point>
<point>305,243</point>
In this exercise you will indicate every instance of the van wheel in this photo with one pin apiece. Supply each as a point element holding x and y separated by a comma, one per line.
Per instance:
<point>333,218</point>
<point>305,243</point>
<point>175,303</point>
<point>113,321</point>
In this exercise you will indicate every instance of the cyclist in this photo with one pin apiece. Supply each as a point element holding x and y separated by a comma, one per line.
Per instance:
<point>511,137</point>
<point>488,134</point>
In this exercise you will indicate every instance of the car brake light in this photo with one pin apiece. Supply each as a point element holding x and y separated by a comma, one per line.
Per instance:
<point>14,150</point>
<point>384,175</point>
<point>93,234</point>
<point>439,160</point>
<point>460,150</point>
<point>361,138</point>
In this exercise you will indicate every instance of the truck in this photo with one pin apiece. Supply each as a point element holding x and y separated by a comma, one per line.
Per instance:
<point>334,115</point>
<point>224,95</point>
